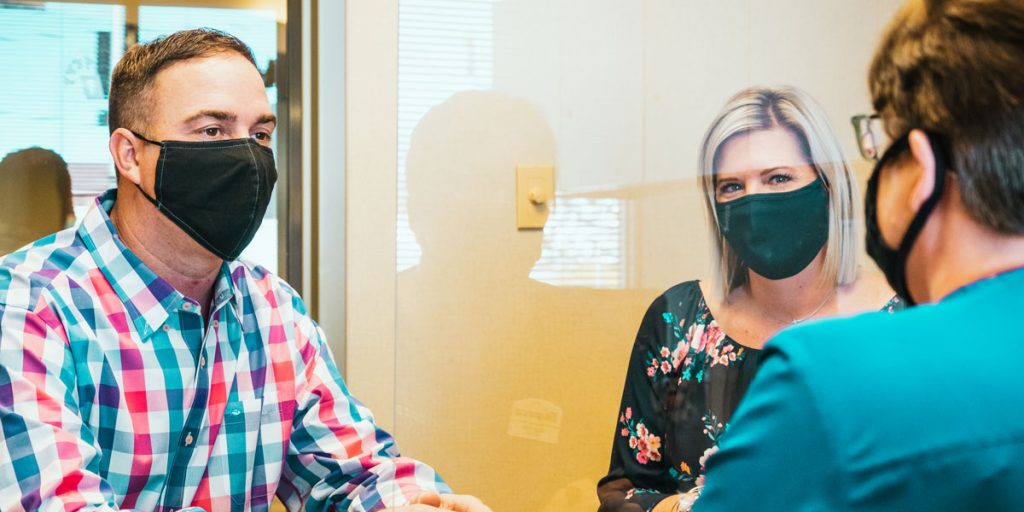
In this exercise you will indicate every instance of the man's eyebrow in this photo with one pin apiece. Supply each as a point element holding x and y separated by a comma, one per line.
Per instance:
<point>219,115</point>
<point>267,118</point>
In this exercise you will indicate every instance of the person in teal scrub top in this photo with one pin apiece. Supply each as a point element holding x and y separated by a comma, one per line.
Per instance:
<point>921,409</point>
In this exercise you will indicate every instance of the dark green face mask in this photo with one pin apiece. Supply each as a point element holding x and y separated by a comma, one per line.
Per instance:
<point>777,234</point>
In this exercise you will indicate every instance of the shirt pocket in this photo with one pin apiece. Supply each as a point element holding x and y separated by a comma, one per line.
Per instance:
<point>232,462</point>
<point>254,427</point>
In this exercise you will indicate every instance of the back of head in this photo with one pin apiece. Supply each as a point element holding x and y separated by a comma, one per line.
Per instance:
<point>956,68</point>
<point>35,199</point>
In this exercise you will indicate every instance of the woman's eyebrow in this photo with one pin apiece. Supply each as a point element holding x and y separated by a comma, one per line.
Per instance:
<point>740,176</point>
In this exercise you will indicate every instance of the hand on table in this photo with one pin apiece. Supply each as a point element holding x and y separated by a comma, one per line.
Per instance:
<point>432,502</point>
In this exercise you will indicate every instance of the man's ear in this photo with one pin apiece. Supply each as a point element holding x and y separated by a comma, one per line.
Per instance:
<point>125,147</point>
<point>924,165</point>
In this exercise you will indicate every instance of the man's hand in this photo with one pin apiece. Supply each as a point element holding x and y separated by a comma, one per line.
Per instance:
<point>433,502</point>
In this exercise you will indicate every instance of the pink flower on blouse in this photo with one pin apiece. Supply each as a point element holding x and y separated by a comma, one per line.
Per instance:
<point>714,333</point>
<point>707,454</point>
<point>696,337</point>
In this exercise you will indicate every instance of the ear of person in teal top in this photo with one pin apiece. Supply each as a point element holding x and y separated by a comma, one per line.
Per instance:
<point>918,410</point>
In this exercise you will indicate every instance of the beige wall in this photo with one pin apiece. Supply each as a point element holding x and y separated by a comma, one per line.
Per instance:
<point>507,385</point>
<point>371,46</point>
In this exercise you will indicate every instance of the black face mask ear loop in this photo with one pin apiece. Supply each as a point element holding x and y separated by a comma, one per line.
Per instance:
<point>917,223</point>
<point>151,199</point>
<point>144,139</point>
<point>898,257</point>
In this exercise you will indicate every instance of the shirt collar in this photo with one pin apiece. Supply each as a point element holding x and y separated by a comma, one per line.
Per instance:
<point>1006,277</point>
<point>149,299</point>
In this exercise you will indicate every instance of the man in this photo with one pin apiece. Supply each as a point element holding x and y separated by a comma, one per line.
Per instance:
<point>142,366</point>
<point>919,410</point>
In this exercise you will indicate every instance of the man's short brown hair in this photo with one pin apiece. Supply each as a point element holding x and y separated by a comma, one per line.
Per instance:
<point>956,68</point>
<point>134,73</point>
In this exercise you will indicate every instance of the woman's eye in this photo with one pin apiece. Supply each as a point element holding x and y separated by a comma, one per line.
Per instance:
<point>729,188</point>
<point>778,179</point>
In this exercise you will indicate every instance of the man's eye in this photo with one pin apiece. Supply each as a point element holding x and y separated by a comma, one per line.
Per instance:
<point>261,136</point>
<point>211,132</point>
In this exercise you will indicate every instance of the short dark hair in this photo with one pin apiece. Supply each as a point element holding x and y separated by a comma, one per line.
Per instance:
<point>956,68</point>
<point>134,73</point>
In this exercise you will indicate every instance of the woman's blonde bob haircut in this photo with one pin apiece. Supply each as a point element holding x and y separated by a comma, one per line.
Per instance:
<point>764,108</point>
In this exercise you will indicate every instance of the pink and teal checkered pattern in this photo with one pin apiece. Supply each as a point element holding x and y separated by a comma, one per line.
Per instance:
<point>116,394</point>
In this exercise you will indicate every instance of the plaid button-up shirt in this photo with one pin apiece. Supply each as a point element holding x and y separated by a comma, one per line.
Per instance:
<point>115,393</point>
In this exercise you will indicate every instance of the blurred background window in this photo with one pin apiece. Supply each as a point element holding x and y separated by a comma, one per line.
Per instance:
<point>57,59</point>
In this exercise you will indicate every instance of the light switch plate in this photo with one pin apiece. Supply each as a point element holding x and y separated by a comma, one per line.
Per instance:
<point>535,193</point>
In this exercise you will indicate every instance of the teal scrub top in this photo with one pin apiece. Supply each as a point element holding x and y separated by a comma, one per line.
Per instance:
<point>918,410</point>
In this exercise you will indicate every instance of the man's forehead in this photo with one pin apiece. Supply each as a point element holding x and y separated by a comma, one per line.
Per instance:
<point>210,67</point>
<point>224,86</point>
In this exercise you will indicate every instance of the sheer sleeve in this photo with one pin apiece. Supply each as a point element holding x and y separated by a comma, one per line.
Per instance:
<point>638,477</point>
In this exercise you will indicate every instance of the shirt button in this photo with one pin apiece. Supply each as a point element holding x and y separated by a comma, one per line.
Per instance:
<point>188,439</point>
<point>202,361</point>
<point>167,328</point>
<point>216,324</point>
<point>187,306</point>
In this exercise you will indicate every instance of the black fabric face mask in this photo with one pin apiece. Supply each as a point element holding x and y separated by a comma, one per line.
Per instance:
<point>216,191</point>
<point>777,234</point>
<point>893,262</point>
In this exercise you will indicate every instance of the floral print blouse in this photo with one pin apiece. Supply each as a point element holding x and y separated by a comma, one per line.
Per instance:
<point>684,381</point>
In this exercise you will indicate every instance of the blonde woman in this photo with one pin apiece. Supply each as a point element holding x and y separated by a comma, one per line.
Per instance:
<point>780,199</point>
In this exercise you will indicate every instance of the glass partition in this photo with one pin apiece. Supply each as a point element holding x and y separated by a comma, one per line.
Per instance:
<point>512,345</point>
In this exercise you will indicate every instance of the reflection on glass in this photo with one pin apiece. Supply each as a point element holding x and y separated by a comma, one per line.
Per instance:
<point>444,46</point>
<point>467,308</point>
<point>504,356</point>
<point>35,199</point>
<point>447,46</point>
<point>780,197</point>
<point>57,58</point>
<point>584,244</point>
<point>871,137</point>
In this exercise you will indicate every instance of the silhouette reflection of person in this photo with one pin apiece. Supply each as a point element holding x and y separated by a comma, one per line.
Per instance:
<point>35,199</point>
<point>496,371</point>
